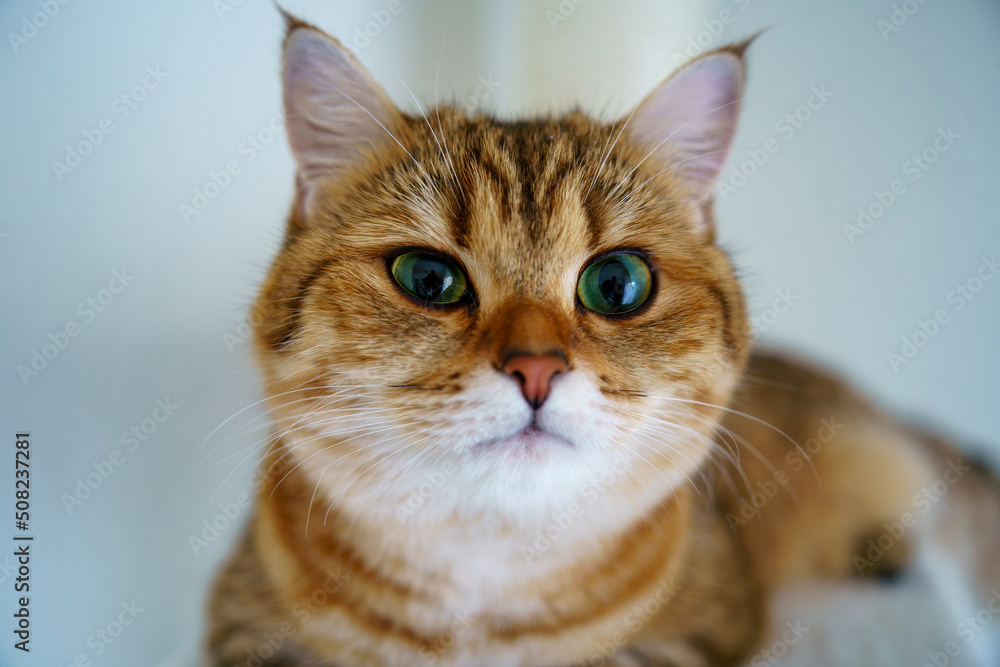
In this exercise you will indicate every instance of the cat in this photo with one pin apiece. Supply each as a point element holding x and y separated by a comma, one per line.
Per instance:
<point>518,417</point>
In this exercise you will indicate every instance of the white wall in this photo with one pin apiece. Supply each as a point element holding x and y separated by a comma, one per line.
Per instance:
<point>165,335</point>
<point>892,92</point>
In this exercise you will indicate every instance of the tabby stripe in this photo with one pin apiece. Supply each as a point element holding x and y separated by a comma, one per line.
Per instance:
<point>492,173</point>
<point>459,219</point>
<point>594,213</point>
<point>635,555</point>
<point>524,161</point>
<point>728,335</point>
<point>295,305</point>
<point>288,499</point>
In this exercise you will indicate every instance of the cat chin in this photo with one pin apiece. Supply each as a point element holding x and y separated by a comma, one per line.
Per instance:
<point>533,486</point>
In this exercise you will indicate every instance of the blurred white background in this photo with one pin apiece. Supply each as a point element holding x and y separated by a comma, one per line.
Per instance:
<point>165,95</point>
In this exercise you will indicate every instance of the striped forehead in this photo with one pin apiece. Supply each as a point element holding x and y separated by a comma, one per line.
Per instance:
<point>517,200</point>
<point>522,203</point>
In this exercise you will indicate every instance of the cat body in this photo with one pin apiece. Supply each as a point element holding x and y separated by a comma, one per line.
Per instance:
<point>507,366</point>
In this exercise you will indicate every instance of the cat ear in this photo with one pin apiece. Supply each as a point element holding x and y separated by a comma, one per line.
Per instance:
<point>335,112</point>
<point>687,123</point>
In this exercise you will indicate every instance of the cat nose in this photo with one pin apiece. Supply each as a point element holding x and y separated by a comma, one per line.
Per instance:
<point>534,372</point>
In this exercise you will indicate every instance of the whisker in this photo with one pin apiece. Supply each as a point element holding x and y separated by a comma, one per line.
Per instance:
<point>325,409</point>
<point>327,467</point>
<point>632,193</point>
<point>387,131</point>
<point>447,158</point>
<point>399,475</point>
<point>437,115</point>
<point>273,396</point>
<point>373,430</point>
<point>751,418</point>
<point>359,476</point>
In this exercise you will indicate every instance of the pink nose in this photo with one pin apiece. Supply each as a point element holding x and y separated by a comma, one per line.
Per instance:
<point>534,372</point>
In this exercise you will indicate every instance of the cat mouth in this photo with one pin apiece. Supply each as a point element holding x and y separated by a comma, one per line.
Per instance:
<point>529,440</point>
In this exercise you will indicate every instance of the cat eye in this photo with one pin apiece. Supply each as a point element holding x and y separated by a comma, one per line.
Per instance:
<point>429,278</point>
<point>615,284</point>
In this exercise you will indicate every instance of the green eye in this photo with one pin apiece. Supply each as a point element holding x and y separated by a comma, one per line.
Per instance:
<point>429,278</point>
<point>615,284</point>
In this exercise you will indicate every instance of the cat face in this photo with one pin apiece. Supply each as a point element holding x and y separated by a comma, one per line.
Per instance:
<point>497,314</point>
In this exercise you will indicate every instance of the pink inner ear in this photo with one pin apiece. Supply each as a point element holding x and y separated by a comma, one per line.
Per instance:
<point>334,110</point>
<point>688,123</point>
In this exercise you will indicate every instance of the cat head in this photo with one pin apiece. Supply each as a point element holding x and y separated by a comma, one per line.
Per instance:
<point>499,314</point>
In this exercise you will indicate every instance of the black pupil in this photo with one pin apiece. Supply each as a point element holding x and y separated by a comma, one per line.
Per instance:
<point>612,279</point>
<point>430,278</point>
